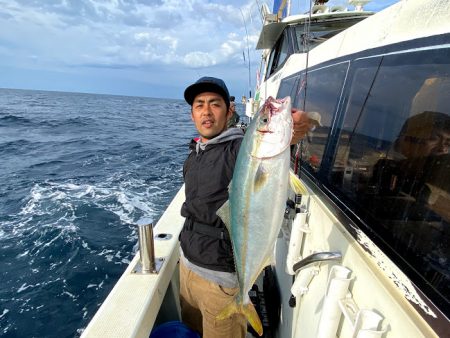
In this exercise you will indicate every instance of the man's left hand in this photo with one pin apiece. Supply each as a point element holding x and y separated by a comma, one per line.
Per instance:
<point>301,125</point>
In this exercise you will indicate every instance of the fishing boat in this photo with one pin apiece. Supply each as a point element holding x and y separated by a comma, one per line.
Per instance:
<point>364,252</point>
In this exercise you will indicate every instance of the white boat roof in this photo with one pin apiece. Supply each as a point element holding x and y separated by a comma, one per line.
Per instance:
<point>319,22</point>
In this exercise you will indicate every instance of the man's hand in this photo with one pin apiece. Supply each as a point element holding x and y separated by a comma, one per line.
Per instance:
<point>301,125</point>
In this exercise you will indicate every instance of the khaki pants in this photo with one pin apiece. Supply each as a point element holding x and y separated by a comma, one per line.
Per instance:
<point>202,300</point>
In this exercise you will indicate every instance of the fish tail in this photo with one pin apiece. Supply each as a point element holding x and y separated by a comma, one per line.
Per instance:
<point>297,185</point>
<point>248,310</point>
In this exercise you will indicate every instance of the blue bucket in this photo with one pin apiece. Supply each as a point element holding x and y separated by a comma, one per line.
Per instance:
<point>173,329</point>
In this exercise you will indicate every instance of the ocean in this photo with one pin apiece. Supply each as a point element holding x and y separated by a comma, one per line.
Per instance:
<point>77,172</point>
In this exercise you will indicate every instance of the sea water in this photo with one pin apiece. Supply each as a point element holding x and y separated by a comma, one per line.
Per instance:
<point>77,171</point>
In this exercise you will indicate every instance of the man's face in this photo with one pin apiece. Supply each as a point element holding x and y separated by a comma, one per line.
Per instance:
<point>437,144</point>
<point>232,106</point>
<point>210,115</point>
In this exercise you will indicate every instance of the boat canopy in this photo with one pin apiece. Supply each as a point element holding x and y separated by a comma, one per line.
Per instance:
<point>270,34</point>
<point>319,23</point>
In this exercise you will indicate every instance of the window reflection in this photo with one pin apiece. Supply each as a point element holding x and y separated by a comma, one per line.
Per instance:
<point>397,170</point>
<point>324,88</point>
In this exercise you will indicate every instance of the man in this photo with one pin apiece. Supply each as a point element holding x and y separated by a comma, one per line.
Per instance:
<point>424,134</point>
<point>234,119</point>
<point>207,275</point>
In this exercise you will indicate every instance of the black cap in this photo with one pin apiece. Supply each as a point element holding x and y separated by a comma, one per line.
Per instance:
<point>207,84</point>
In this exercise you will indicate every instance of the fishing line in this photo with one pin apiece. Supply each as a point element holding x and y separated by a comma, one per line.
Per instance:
<point>303,84</point>
<point>364,104</point>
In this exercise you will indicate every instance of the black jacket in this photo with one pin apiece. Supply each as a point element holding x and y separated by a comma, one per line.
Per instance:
<point>207,175</point>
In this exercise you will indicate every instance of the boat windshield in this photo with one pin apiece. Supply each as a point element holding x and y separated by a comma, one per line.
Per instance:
<point>320,31</point>
<point>301,37</point>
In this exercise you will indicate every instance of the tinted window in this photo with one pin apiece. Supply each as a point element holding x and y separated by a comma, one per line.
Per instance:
<point>285,51</point>
<point>271,62</point>
<point>396,136</point>
<point>280,53</point>
<point>324,87</point>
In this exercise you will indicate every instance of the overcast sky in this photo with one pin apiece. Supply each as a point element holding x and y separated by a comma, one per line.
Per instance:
<point>151,48</point>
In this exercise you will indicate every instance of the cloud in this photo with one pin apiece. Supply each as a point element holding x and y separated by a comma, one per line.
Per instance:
<point>130,38</point>
<point>117,32</point>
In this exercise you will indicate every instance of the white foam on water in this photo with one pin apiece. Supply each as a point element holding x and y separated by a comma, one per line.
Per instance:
<point>58,202</point>
<point>23,254</point>
<point>25,287</point>
<point>71,295</point>
<point>52,226</point>
<point>51,216</point>
<point>5,311</point>
<point>8,326</point>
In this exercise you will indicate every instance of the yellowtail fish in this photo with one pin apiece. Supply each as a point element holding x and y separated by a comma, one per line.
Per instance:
<point>257,199</point>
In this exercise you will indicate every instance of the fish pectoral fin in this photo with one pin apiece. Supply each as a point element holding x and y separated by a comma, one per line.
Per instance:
<point>248,310</point>
<point>297,185</point>
<point>225,215</point>
<point>261,178</point>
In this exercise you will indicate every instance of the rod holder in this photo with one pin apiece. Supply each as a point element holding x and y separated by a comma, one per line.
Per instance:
<point>146,245</point>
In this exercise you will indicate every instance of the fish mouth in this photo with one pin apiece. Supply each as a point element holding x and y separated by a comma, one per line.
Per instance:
<point>265,131</point>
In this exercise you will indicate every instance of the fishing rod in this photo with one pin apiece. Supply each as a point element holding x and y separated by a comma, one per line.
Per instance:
<point>304,85</point>
<point>248,55</point>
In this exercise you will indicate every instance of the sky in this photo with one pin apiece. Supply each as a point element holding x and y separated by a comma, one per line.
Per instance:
<point>151,48</point>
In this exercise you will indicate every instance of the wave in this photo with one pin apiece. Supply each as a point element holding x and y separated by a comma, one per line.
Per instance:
<point>8,120</point>
<point>77,174</point>
<point>56,211</point>
<point>16,146</point>
<point>72,240</point>
<point>12,121</point>
<point>74,122</point>
<point>46,164</point>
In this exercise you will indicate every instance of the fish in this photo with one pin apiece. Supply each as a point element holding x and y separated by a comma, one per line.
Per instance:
<point>258,192</point>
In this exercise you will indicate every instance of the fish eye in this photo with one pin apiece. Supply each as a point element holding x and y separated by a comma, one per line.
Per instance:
<point>265,118</point>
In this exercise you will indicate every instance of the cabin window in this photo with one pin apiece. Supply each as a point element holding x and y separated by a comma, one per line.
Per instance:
<point>305,43</point>
<point>319,32</point>
<point>323,89</point>
<point>280,53</point>
<point>395,136</point>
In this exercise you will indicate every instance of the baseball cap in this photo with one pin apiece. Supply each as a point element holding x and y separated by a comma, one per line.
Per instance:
<point>207,84</point>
